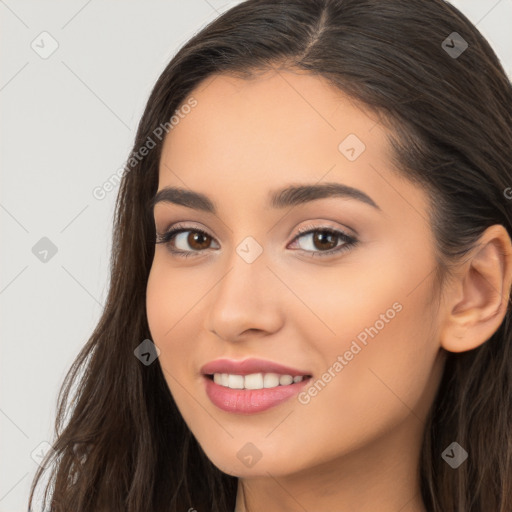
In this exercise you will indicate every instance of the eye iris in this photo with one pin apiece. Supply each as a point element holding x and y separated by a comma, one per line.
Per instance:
<point>193,238</point>
<point>321,236</point>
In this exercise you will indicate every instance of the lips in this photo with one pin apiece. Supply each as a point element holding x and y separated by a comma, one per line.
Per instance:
<point>264,384</point>
<point>250,366</point>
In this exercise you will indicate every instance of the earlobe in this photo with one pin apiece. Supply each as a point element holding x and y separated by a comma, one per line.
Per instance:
<point>480,295</point>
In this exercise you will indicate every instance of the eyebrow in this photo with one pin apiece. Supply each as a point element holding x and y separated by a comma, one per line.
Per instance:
<point>292,195</point>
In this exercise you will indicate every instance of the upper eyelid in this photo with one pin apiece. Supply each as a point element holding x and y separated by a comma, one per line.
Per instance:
<point>180,227</point>
<point>300,231</point>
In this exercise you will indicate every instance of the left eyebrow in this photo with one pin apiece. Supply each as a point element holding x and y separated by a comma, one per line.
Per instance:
<point>295,195</point>
<point>289,196</point>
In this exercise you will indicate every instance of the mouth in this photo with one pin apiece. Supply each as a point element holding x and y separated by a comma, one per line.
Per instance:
<point>252,393</point>
<point>251,385</point>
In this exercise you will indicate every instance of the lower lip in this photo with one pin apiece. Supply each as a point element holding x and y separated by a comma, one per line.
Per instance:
<point>247,401</point>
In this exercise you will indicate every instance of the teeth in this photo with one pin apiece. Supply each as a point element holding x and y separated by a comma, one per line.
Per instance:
<point>271,380</point>
<point>285,380</point>
<point>254,380</point>
<point>235,381</point>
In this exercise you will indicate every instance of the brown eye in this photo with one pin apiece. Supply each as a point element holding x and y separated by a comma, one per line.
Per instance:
<point>198,240</point>
<point>183,241</point>
<point>320,241</point>
<point>325,240</point>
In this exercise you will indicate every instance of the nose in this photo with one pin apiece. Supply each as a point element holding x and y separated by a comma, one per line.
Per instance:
<point>246,301</point>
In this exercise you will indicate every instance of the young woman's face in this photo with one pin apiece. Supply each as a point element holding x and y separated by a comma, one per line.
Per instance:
<point>359,318</point>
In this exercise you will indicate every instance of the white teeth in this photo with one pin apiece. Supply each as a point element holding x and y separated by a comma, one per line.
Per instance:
<point>271,380</point>
<point>236,381</point>
<point>254,380</point>
<point>285,380</point>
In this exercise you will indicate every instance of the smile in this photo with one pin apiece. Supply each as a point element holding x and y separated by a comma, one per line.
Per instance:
<point>251,385</point>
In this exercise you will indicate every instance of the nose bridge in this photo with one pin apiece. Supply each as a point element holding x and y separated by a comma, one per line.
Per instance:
<point>243,298</point>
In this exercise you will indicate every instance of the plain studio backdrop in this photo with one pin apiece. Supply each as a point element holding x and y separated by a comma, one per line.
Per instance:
<point>75,78</point>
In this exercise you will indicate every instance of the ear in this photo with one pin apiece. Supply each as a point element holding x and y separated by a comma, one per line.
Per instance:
<point>479,295</point>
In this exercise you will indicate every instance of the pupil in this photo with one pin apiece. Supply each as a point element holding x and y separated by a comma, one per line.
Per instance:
<point>196,237</point>
<point>321,236</point>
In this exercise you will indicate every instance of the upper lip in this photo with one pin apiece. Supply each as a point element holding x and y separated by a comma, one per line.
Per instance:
<point>248,366</point>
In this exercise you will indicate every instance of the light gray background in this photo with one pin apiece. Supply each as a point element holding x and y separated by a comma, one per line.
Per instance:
<point>68,123</point>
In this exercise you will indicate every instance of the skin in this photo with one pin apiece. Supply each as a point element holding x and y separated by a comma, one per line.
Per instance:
<point>356,444</point>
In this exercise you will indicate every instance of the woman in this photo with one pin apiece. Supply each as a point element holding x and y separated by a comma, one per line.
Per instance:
<point>311,272</point>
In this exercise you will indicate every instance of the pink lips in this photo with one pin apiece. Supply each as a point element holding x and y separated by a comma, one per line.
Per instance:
<point>247,401</point>
<point>248,366</point>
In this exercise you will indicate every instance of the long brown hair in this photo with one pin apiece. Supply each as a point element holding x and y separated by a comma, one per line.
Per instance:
<point>125,446</point>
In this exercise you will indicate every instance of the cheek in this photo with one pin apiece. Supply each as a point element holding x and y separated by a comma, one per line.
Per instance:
<point>373,387</point>
<point>168,305</point>
<point>388,354</point>
<point>378,350</point>
<point>160,305</point>
<point>173,296</point>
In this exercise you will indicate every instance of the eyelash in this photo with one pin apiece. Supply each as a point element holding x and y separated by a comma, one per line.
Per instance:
<point>350,241</point>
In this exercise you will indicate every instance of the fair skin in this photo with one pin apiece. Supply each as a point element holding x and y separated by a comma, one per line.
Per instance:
<point>356,444</point>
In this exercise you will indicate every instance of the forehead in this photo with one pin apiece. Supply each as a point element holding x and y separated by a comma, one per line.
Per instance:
<point>274,116</point>
<point>274,129</point>
<point>277,109</point>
